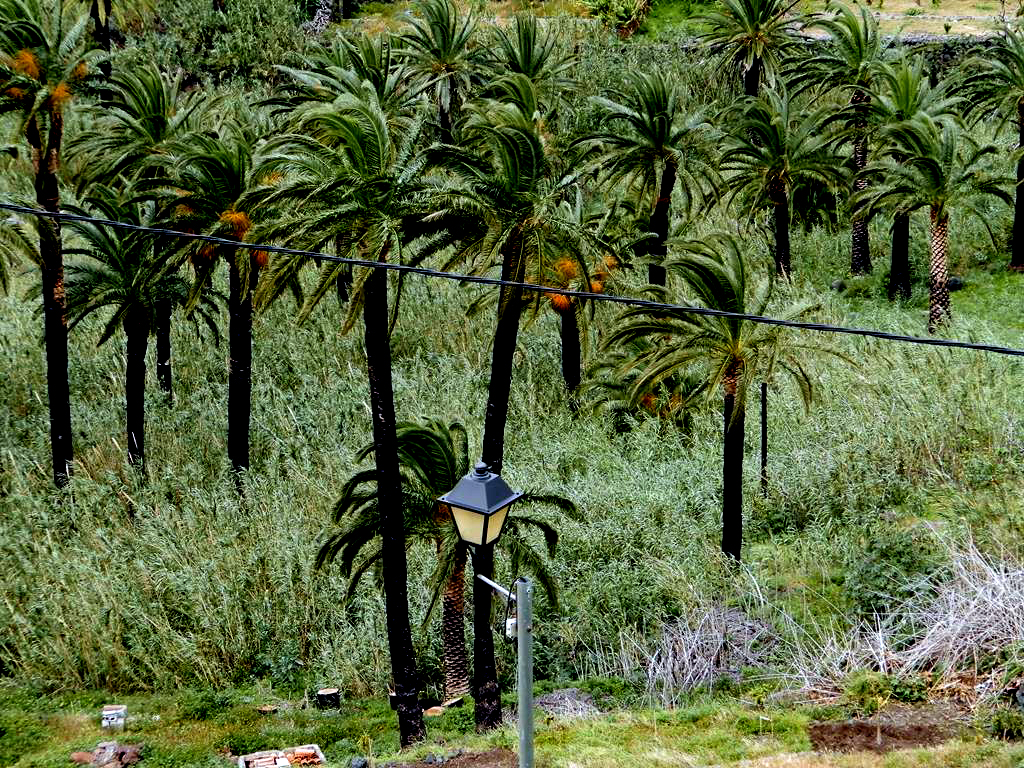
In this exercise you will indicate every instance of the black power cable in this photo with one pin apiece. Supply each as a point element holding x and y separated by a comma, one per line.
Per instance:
<point>479,280</point>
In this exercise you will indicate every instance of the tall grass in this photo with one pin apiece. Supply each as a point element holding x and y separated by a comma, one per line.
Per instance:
<point>132,582</point>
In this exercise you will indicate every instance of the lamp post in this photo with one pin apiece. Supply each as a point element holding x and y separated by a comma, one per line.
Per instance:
<point>479,504</point>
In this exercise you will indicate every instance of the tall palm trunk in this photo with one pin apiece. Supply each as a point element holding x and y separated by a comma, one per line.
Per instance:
<point>659,224</point>
<point>486,694</point>
<point>506,334</point>
<point>752,78</point>
<point>136,330</point>
<point>899,266</point>
<point>571,356</point>
<point>781,225</point>
<point>1017,256</point>
<point>453,628</point>
<point>732,471</point>
<point>240,362</point>
<point>45,162</point>
<point>100,13</point>
<point>164,375</point>
<point>938,273</point>
<point>860,258</point>
<point>390,503</point>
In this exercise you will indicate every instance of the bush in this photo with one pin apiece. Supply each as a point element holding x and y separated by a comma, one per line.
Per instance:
<point>867,692</point>
<point>19,734</point>
<point>883,571</point>
<point>247,39</point>
<point>1006,724</point>
<point>202,705</point>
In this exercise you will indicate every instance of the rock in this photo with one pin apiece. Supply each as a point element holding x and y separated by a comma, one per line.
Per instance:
<point>955,283</point>
<point>428,760</point>
<point>104,754</point>
<point>359,762</point>
<point>81,758</point>
<point>838,286</point>
<point>129,754</point>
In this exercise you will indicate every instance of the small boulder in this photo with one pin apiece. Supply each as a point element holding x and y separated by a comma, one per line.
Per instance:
<point>955,283</point>
<point>359,762</point>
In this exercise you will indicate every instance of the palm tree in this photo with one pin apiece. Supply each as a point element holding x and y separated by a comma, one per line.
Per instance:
<point>123,272</point>
<point>209,174</point>
<point>901,91</point>
<point>528,50</point>
<point>652,144</point>
<point>357,179</point>
<point>996,84</point>
<point>440,51</point>
<point>43,64</point>
<point>849,63</point>
<point>754,34</point>
<point>772,152</point>
<point>434,457</point>
<point>508,184</point>
<point>938,164</point>
<point>727,354</point>
<point>142,114</point>
<point>342,69</point>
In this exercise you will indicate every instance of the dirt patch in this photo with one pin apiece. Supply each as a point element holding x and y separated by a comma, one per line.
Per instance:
<point>854,736</point>
<point>897,727</point>
<point>495,758</point>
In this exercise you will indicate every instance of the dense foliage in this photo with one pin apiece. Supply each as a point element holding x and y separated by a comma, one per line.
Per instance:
<point>197,565</point>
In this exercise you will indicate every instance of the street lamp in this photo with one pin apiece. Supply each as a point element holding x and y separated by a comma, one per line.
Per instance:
<point>479,504</point>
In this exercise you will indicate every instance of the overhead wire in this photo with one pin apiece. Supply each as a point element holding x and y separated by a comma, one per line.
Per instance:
<point>498,282</point>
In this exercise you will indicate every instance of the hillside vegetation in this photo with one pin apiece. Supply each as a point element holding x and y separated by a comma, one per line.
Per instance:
<point>886,541</point>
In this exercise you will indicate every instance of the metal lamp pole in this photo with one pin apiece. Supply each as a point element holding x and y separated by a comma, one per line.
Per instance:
<point>523,598</point>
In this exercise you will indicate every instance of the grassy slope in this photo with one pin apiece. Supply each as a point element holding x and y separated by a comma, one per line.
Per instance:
<point>196,731</point>
<point>171,581</point>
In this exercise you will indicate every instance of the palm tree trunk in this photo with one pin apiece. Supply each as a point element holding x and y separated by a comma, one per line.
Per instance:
<point>899,267</point>
<point>486,695</point>
<point>752,78</point>
<point>46,161</point>
<point>506,334</point>
<point>100,12</point>
<point>453,628</point>
<point>860,258</point>
<point>164,374</point>
<point>239,364</point>
<point>1017,255</point>
<point>938,273</point>
<point>782,250</point>
<point>390,503</point>
<point>659,224</point>
<point>571,356</point>
<point>137,332</point>
<point>732,474</point>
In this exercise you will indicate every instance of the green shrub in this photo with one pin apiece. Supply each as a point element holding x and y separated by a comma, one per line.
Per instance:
<point>882,571</point>
<point>19,734</point>
<point>867,692</point>
<point>609,692</point>
<point>202,704</point>
<point>1006,724</point>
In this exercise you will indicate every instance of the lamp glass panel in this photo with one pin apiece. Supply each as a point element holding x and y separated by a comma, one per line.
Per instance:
<point>496,523</point>
<point>469,523</point>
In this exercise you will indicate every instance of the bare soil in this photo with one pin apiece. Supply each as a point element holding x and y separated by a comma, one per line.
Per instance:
<point>897,727</point>
<point>495,758</point>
